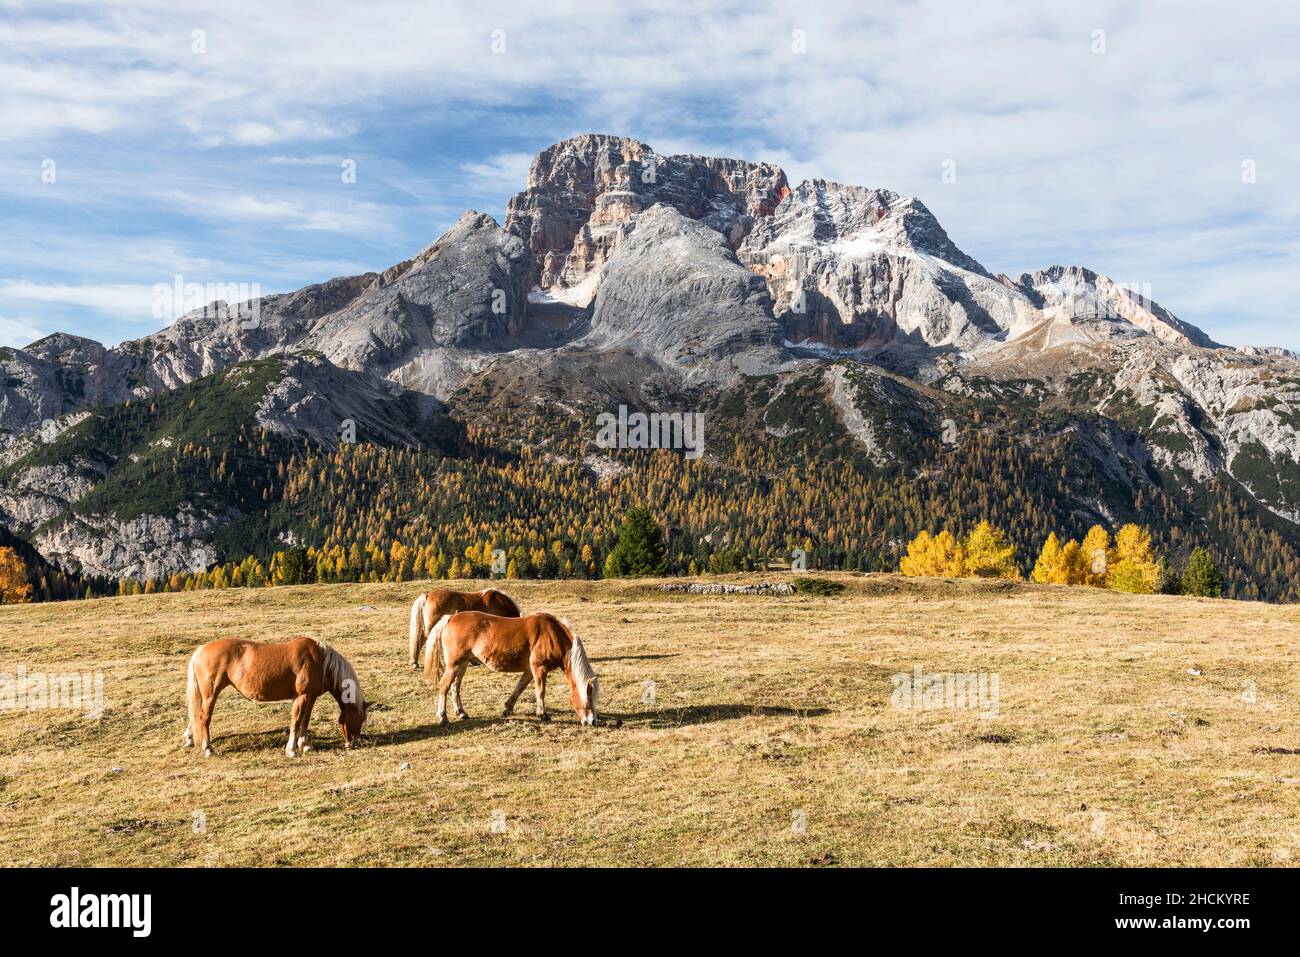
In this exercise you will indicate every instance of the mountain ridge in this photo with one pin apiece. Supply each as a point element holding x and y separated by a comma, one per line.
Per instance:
<point>621,275</point>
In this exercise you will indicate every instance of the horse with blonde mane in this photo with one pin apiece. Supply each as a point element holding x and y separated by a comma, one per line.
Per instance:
<point>301,669</point>
<point>432,605</point>
<point>531,646</point>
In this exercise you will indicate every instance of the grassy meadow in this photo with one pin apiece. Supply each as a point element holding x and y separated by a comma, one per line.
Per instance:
<point>756,730</point>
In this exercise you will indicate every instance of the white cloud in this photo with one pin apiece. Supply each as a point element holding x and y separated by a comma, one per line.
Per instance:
<point>16,334</point>
<point>505,173</point>
<point>296,130</point>
<point>349,216</point>
<point>1127,161</point>
<point>121,299</point>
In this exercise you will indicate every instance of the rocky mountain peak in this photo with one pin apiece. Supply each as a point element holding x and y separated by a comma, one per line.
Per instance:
<point>847,267</point>
<point>582,193</point>
<point>1076,293</point>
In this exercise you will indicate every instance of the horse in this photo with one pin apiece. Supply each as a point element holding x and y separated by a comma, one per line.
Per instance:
<point>301,668</point>
<point>428,607</point>
<point>534,645</point>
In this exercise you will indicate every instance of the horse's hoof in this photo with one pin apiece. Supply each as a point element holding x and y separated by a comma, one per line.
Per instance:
<point>543,717</point>
<point>208,752</point>
<point>462,715</point>
<point>505,712</point>
<point>443,720</point>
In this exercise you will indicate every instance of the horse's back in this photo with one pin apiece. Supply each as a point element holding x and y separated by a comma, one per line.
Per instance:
<point>508,644</point>
<point>443,601</point>
<point>265,671</point>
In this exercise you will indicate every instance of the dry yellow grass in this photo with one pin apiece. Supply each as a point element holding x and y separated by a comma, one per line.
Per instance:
<point>767,711</point>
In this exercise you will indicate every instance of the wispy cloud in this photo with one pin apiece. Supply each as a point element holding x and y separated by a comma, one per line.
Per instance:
<point>346,216</point>
<point>1101,133</point>
<point>121,299</point>
<point>16,334</point>
<point>505,173</point>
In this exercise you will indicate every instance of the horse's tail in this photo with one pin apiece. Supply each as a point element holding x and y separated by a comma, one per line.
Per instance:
<point>193,699</point>
<point>417,630</point>
<point>433,653</point>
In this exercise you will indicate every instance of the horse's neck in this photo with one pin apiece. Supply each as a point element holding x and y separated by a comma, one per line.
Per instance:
<point>334,676</point>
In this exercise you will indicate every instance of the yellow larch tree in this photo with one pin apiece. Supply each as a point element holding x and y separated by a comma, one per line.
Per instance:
<point>1133,567</point>
<point>15,589</point>
<point>1051,567</point>
<point>1096,556</point>
<point>1076,569</point>
<point>939,556</point>
<point>988,553</point>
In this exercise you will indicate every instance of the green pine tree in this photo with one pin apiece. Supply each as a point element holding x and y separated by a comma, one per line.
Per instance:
<point>295,569</point>
<point>1169,582</point>
<point>1202,577</point>
<point>640,549</point>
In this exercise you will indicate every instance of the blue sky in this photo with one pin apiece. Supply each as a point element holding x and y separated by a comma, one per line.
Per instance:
<point>1082,133</point>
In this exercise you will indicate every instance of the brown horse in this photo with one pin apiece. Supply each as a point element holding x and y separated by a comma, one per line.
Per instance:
<point>533,645</point>
<point>302,669</point>
<point>430,606</point>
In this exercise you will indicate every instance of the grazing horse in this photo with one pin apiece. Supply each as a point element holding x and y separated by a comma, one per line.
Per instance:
<point>430,606</point>
<point>533,645</point>
<point>301,668</point>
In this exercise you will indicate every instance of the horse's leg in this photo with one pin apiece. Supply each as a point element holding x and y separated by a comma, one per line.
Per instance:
<point>444,685</point>
<point>539,686</point>
<point>455,691</point>
<point>520,685</point>
<point>304,729</point>
<point>293,748</point>
<point>203,739</point>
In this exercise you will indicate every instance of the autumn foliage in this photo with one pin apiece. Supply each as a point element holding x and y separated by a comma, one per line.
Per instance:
<point>15,589</point>
<point>1125,562</point>
<point>984,553</point>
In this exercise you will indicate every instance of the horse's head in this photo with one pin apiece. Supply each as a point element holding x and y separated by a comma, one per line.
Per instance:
<point>347,691</point>
<point>584,700</point>
<point>584,686</point>
<point>352,715</point>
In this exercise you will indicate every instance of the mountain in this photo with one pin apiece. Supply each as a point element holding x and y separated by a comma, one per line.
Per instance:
<point>810,323</point>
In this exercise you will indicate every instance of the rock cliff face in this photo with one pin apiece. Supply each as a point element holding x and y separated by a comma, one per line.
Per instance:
<point>851,267</point>
<point>622,274</point>
<point>583,191</point>
<point>670,266</point>
<point>465,292</point>
<point>1078,293</point>
<point>144,547</point>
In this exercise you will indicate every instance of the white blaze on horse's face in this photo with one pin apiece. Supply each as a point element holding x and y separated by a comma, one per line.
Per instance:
<point>587,715</point>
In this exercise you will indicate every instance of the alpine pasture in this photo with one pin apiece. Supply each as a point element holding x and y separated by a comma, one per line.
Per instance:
<point>756,729</point>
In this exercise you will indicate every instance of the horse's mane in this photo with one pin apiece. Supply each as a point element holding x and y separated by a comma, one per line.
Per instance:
<point>579,664</point>
<point>507,599</point>
<point>338,671</point>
